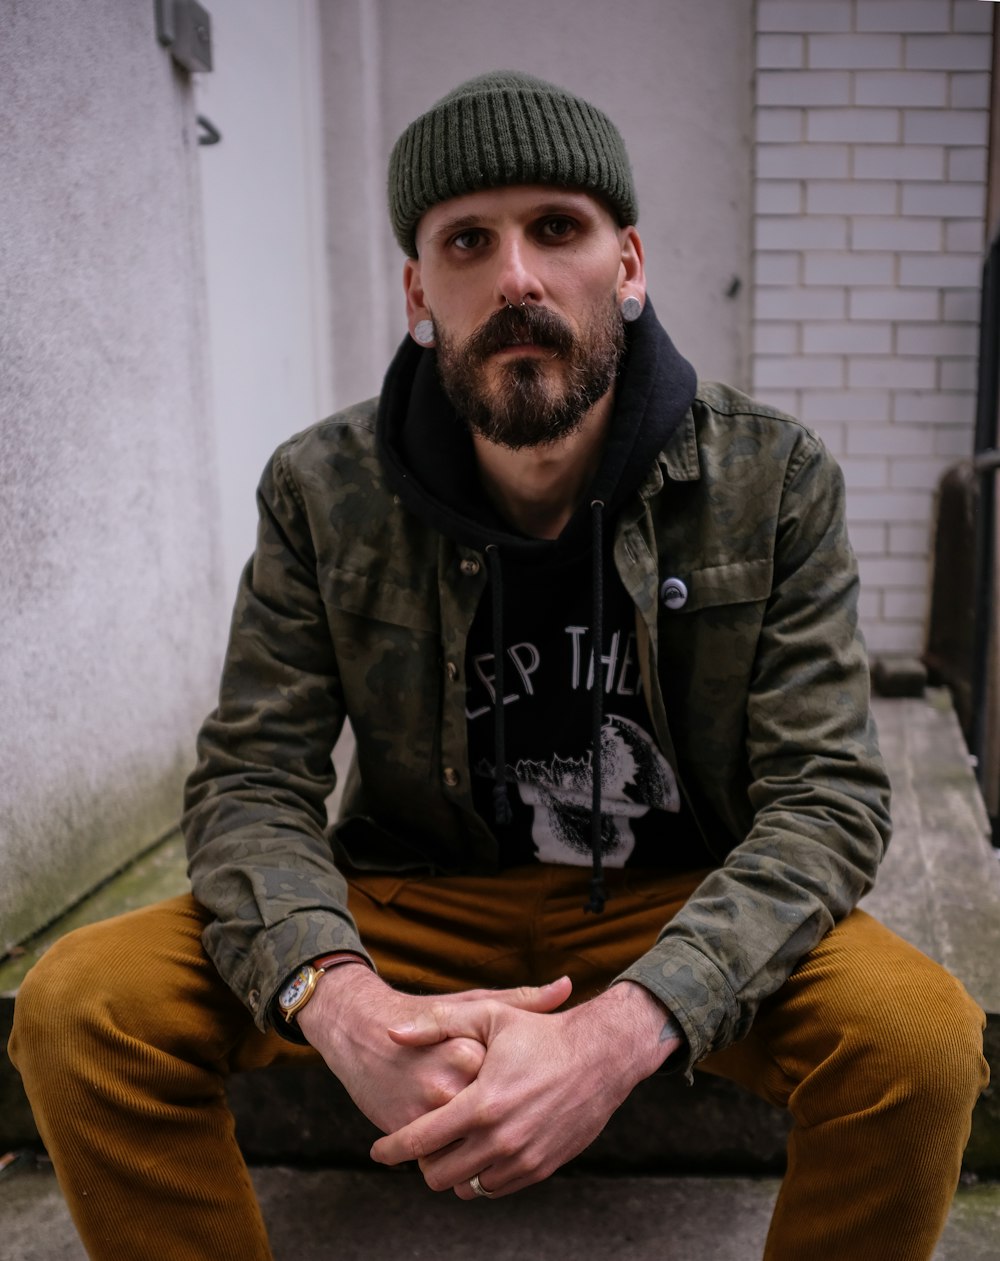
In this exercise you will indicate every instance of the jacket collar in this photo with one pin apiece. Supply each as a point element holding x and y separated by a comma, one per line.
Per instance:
<point>679,458</point>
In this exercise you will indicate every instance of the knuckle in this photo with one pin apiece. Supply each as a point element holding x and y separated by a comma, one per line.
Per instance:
<point>434,1179</point>
<point>437,1094</point>
<point>487,1113</point>
<point>509,1147</point>
<point>529,1166</point>
<point>467,1055</point>
<point>417,1149</point>
<point>438,1013</point>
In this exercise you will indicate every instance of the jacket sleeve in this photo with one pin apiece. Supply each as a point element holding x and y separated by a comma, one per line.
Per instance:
<point>818,789</point>
<point>255,811</point>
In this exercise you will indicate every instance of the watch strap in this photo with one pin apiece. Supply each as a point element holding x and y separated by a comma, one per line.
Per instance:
<point>325,962</point>
<point>311,972</point>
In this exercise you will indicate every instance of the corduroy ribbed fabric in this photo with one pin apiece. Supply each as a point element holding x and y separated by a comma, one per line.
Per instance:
<point>506,128</point>
<point>124,1035</point>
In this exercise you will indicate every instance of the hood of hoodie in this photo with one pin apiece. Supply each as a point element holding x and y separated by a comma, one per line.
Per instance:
<point>429,460</point>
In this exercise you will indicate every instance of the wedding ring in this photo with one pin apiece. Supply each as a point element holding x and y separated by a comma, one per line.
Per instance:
<point>479,1189</point>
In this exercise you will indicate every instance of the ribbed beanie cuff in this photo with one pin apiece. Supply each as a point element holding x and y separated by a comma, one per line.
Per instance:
<point>506,128</point>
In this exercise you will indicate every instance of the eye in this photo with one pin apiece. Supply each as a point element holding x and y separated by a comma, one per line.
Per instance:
<point>556,228</point>
<point>470,239</point>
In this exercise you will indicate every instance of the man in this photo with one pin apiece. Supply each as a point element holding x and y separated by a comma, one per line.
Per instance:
<point>594,628</point>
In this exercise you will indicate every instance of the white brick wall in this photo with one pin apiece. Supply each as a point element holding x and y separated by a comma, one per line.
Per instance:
<point>870,139</point>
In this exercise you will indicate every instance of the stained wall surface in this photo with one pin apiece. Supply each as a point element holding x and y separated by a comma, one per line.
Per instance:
<point>108,639</point>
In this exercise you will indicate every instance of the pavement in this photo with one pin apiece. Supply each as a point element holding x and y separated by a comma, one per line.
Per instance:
<point>318,1214</point>
<point>704,1194</point>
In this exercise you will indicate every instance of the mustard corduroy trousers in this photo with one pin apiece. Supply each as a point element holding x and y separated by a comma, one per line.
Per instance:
<point>124,1035</point>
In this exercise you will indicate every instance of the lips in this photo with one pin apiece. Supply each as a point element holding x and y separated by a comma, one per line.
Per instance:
<point>521,328</point>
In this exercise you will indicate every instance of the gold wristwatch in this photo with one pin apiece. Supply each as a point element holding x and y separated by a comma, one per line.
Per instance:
<point>302,985</point>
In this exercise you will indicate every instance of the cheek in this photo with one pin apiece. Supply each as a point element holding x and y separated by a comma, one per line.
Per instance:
<point>453,316</point>
<point>594,282</point>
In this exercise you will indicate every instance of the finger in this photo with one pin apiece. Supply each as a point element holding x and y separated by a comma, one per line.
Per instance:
<point>528,997</point>
<point>540,998</point>
<point>427,1136</point>
<point>487,1180</point>
<point>462,1016</point>
<point>458,1061</point>
<point>464,1190</point>
<point>444,1019</point>
<point>464,1057</point>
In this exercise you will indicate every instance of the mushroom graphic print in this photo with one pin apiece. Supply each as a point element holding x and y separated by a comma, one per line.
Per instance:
<point>635,778</point>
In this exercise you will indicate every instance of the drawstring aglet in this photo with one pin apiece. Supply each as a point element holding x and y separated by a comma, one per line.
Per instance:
<point>502,812</point>
<point>598,896</point>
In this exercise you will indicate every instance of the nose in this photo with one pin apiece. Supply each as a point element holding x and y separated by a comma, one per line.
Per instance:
<point>517,280</point>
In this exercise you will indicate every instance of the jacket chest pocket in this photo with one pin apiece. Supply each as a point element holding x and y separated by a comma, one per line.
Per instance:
<point>708,641</point>
<point>714,587</point>
<point>382,598</point>
<point>387,641</point>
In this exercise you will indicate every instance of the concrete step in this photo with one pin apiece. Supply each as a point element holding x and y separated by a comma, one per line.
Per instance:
<point>939,888</point>
<point>312,1215</point>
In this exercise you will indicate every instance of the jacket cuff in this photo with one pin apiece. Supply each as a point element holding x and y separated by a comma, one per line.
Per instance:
<point>276,952</point>
<point>694,991</point>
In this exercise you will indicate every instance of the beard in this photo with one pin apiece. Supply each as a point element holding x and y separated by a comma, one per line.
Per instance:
<point>529,402</point>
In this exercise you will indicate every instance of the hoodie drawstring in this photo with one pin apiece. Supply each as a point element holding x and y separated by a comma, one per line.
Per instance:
<point>502,812</point>
<point>598,892</point>
<point>501,800</point>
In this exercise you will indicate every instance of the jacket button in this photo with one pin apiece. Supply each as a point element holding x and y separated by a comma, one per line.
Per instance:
<point>469,567</point>
<point>673,593</point>
<point>452,671</point>
<point>450,777</point>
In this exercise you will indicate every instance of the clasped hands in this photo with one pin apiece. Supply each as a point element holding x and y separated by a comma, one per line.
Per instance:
<point>495,1083</point>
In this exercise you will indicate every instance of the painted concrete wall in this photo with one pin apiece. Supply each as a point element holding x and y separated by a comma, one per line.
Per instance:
<point>268,299</point>
<point>871,132</point>
<point>108,545</point>
<point>675,77</point>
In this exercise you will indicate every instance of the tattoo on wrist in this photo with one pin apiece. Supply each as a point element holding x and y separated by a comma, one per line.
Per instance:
<point>671,1030</point>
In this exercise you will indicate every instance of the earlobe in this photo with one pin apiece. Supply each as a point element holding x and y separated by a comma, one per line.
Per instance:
<point>630,308</point>
<point>417,314</point>
<point>422,332</point>
<point>631,276</point>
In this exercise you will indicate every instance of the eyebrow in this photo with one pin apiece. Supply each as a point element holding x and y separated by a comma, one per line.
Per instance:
<point>460,224</point>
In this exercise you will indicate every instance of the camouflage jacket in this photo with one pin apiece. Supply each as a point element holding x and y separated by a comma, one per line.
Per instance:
<point>757,688</point>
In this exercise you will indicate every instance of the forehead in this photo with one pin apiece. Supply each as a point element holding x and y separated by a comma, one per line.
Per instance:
<point>517,203</point>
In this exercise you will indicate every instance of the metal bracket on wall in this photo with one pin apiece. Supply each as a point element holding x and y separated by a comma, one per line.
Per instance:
<point>210,134</point>
<point>186,29</point>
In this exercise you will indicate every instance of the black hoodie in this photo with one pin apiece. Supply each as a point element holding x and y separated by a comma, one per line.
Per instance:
<point>580,769</point>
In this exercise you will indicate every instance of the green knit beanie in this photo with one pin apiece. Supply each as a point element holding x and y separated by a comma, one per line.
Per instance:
<point>506,128</point>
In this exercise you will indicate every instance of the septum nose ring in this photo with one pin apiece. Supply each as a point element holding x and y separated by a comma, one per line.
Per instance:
<point>522,304</point>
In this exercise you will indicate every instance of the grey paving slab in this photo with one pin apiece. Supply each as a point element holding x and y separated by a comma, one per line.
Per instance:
<point>316,1215</point>
<point>939,886</point>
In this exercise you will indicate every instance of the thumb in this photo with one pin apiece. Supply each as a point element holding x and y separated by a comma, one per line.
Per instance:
<point>441,1020</point>
<point>474,1018</point>
<point>540,998</point>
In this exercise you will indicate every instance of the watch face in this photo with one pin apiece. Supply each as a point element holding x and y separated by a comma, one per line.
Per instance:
<point>295,988</point>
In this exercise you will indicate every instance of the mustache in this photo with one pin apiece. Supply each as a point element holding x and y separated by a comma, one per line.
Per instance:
<point>521,324</point>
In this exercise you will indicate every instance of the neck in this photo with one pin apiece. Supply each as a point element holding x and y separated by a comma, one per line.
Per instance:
<point>537,489</point>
